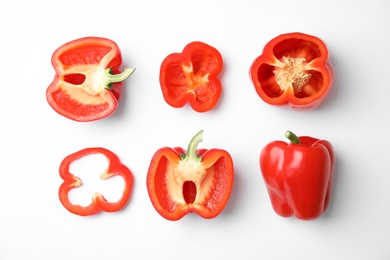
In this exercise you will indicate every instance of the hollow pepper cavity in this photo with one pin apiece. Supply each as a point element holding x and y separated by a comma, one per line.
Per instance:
<point>192,77</point>
<point>294,69</point>
<point>99,203</point>
<point>180,182</point>
<point>298,176</point>
<point>88,81</point>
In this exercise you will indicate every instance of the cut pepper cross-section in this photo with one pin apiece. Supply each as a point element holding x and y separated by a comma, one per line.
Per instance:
<point>99,203</point>
<point>180,182</point>
<point>192,76</point>
<point>88,81</point>
<point>294,69</point>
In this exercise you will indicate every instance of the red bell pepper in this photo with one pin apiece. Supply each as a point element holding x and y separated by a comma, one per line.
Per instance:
<point>298,176</point>
<point>99,203</point>
<point>199,181</point>
<point>192,76</point>
<point>88,81</point>
<point>294,70</point>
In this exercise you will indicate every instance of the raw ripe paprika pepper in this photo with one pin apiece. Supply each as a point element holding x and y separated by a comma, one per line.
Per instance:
<point>192,76</point>
<point>180,182</point>
<point>88,82</point>
<point>294,70</point>
<point>298,176</point>
<point>99,203</point>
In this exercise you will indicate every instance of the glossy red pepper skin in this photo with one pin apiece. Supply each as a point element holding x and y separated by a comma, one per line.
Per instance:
<point>298,177</point>
<point>192,77</point>
<point>88,81</point>
<point>180,182</point>
<point>99,203</point>
<point>294,70</point>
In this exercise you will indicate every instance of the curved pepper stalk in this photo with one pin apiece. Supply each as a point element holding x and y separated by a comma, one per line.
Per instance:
<point>298,176</point>
<point>180,182</point>
<point>99,203</point>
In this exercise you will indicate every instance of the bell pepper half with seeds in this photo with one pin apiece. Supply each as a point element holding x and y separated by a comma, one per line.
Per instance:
<point>88,80</point>
<point>294,70</point>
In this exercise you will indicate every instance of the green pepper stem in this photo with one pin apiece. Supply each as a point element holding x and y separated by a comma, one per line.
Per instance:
<point>292,137</point>
<point>191,150</point>
<point>117,77</point>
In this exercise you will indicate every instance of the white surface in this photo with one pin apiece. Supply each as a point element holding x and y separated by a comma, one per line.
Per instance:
<point>35,139</point>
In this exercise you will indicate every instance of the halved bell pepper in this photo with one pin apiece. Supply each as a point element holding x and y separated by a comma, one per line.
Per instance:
<point>88,80</point>
<point>298,176</point>
<point>180,182</point>
<point>192,76</point>
<point>99,203</point>
<point>294,69</point>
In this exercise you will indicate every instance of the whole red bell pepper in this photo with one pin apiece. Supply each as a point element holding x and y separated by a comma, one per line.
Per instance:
<point>99,203</point>
<point>199,181</point>
<point>294,69</point>
<point>88,81</point>
<point>298,176</point>
<point>192,76</point>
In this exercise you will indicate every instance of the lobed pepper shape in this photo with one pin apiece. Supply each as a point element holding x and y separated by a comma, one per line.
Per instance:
<point>88,82</point>
<point>99,203</point>
<point>180,182</point>
<point>192,77</point>
<point>298,176</point>
<point>294,69</point>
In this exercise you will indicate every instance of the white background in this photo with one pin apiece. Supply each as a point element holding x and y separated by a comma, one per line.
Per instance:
<point>34,139</point>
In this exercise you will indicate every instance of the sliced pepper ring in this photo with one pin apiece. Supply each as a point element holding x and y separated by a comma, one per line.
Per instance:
<point>99,203</point>
<point>294,69</point>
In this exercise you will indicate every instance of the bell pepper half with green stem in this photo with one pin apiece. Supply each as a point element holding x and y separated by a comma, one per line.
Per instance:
<point>88,80</point>
<point>196,180</point>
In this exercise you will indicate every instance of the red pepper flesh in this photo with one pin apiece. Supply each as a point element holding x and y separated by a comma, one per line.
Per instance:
<point>99,203</point>
<point>180,182</point>
<point>298,176</point>
<point>294,69</point>
<point>192,76</point>
<point>88,82</point>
